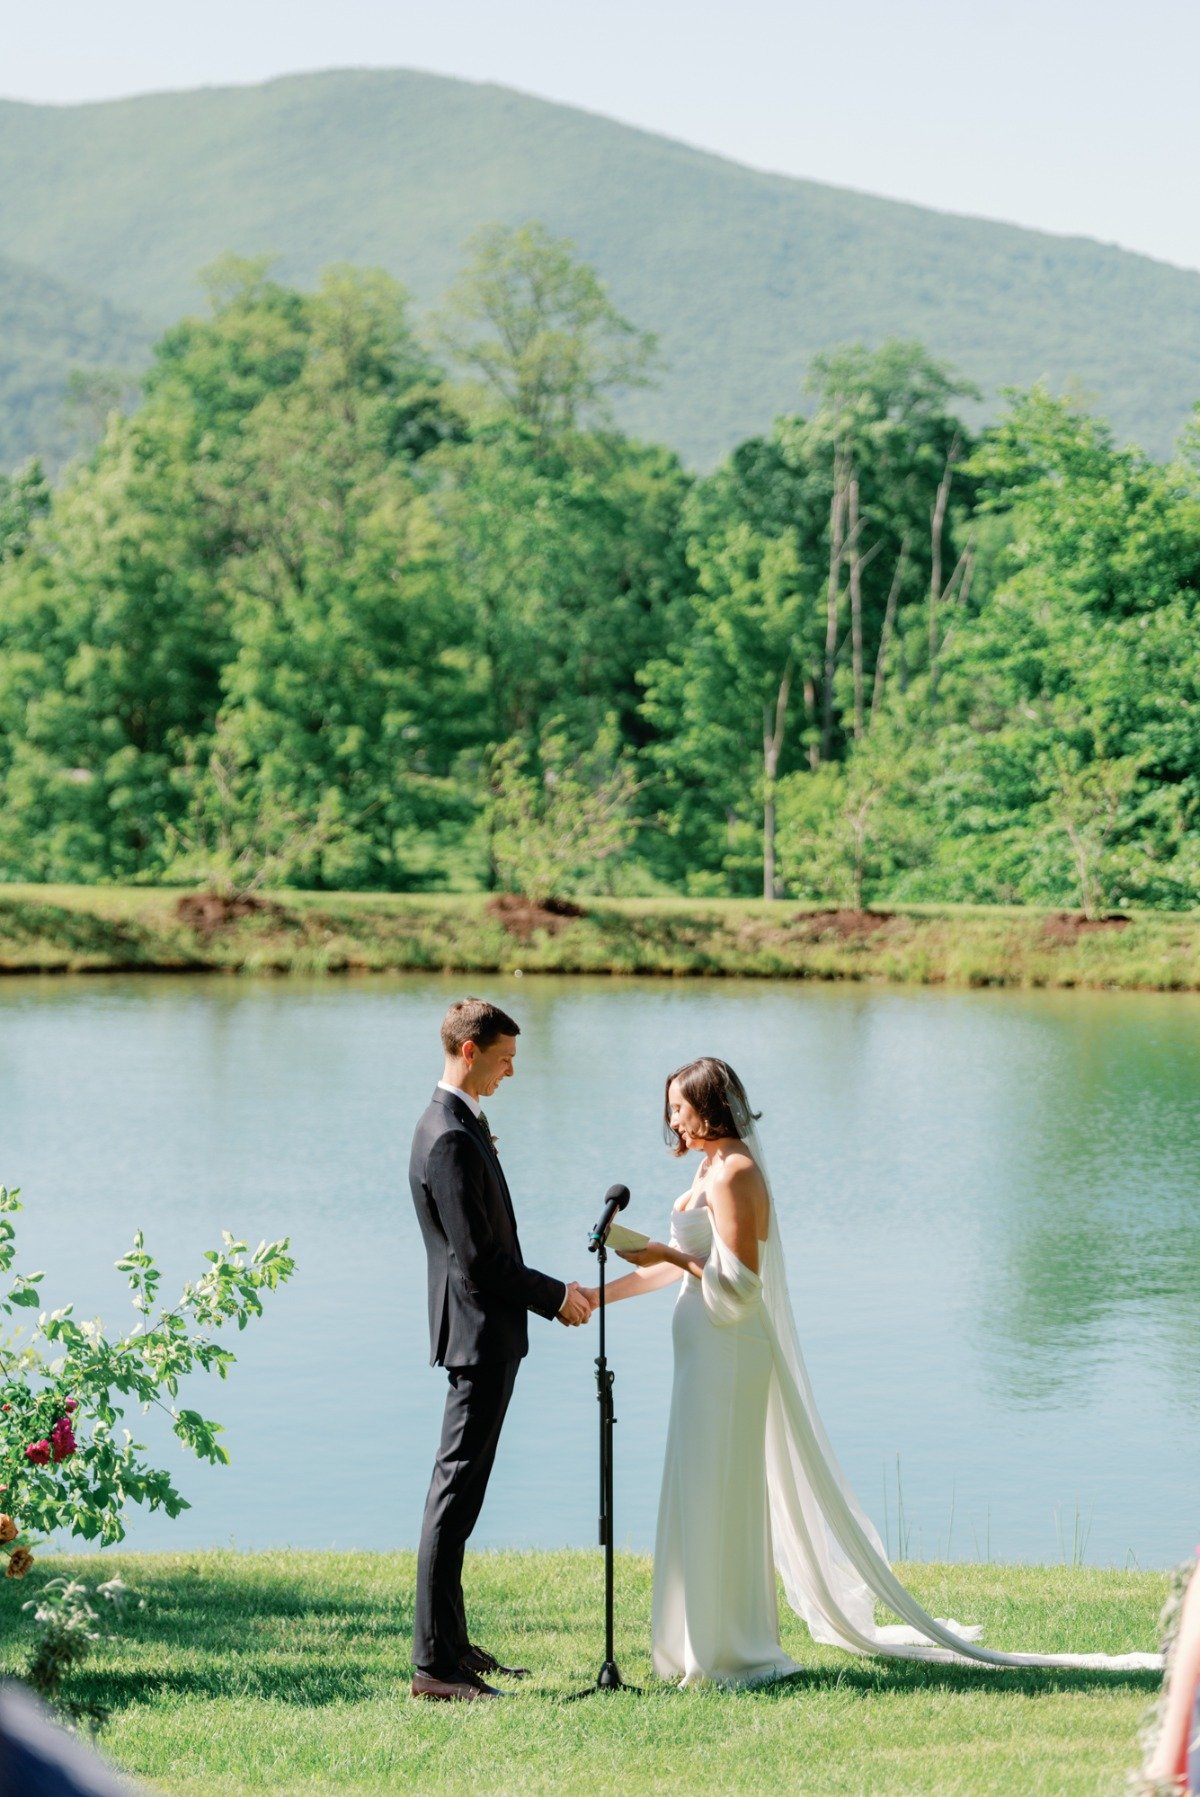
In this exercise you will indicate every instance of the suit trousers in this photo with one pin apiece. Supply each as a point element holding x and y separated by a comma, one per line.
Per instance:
<point>476,1405</point>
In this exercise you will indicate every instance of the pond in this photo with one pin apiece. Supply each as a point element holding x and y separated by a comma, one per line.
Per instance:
<point>989,1204</point>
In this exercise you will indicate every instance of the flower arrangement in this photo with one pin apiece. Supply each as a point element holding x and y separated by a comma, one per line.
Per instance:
<point>22,1412</point>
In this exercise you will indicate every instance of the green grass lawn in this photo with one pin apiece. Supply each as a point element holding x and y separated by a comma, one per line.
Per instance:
<point>288,1672</point>
<point>108,928</point>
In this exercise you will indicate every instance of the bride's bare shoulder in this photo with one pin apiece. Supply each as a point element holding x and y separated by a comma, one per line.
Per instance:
<point>737,1171</point>
<point>738,1192</point>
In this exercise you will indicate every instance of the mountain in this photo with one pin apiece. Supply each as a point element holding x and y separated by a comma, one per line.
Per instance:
<point>48,327</point>
<point>743,275</point>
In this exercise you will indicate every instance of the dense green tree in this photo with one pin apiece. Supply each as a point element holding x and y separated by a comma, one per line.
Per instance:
<point>342,664</point>
<point>216,367</point>
<point>562,820</point>
<point>24,498</point>
<point>310,614</point>
<point>242,567</point>
<point>848,830</point>
<point>720,695</point>
<point>112,639</point>
<point>567,560</point>
<point>115,629</point>
<point>1067,712</point>
<point>891,448</point>
<point>537,333</point>
<point>811,552</point>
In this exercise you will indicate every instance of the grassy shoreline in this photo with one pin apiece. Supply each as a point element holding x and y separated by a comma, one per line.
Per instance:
<point>288,1672</point>
<point>78,929</point>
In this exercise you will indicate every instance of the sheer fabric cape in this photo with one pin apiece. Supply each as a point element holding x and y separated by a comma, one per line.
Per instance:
<point>827,1552</point>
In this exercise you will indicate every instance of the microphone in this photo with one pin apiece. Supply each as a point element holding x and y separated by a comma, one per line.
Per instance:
<point>615,1199</point>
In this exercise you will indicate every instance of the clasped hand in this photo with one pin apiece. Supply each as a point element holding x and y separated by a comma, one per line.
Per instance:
<point>578,1306</point>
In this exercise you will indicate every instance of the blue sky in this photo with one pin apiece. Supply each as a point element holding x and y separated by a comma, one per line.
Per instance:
<point>1076,116</point>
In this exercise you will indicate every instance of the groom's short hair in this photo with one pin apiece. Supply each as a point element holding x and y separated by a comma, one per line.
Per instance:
<point>475,1020</point>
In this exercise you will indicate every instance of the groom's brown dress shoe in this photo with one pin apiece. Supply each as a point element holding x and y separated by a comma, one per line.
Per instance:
<point>466,1688</point>
<point>478,1660</point>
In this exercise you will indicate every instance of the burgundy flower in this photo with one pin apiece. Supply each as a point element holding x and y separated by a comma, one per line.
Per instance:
<point>62,1439</point>
<point>38,1453</point>
<point>70,1405</point>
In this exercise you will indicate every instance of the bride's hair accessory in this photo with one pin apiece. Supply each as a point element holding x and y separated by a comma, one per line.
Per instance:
<point>713,1090</point>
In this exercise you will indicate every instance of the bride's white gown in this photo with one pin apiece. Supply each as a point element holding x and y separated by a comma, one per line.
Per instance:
<point>715,1612</point>
<point>751,1485</point>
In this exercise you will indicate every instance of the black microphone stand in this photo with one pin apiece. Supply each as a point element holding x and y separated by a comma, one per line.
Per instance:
<point>609,1678</point>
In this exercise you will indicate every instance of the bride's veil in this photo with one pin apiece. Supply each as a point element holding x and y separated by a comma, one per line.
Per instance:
<point>828,1553</point>
<point>821,1584</point>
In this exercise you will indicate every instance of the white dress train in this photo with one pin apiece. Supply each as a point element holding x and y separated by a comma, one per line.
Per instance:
<point>751,1485</point>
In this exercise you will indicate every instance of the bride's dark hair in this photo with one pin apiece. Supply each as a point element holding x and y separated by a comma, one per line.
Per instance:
<point>712,1089</point>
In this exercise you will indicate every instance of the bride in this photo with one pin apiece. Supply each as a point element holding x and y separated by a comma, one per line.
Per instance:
<point>750,1481</point>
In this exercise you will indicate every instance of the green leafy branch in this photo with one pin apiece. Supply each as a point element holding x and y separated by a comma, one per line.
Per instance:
<point>66,1461</point>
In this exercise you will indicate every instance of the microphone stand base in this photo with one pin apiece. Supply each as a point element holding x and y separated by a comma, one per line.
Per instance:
<point>609,1680</point>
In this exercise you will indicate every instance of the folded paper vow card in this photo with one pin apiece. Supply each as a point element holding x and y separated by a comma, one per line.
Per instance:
<point>620,1238</point>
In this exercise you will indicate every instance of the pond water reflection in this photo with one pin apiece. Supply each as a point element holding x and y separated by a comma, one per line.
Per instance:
<point>989,1204</point>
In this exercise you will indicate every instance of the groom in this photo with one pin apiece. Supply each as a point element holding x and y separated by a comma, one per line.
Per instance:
<point>480,1293</point>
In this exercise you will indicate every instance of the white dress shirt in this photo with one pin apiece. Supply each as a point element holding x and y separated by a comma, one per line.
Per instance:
<point>468,1098</point>
<point>476,1109</point>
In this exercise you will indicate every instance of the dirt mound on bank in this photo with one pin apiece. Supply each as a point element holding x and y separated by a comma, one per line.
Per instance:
<point>1066,927</point>
<point>839,926</point>
<point>520,917</point>
<point>209,912</point>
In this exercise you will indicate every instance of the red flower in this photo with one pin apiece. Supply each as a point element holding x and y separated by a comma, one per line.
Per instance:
<point>62,1439</point>
<point>38,1453</point>
<point>70,1405</point>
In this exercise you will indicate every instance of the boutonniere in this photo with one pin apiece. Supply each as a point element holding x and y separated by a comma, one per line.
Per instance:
<point>495,1142</point>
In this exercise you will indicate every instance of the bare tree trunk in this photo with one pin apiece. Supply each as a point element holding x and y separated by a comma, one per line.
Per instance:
<point>810,712</point>
<point>885,634</point>
<point>958,589</point>
<point>937,526</point>
<point>857,871</point>
<point>859,832</point>
<point>1080,854</point>
<point>964,591</point>
<point>837,549</point>
<point>773,732</point>
<point>856,635</point>
<point>769,882</point>
<point>492,863</point>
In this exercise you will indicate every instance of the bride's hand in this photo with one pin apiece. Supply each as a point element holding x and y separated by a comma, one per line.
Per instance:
<point>654,1254</point>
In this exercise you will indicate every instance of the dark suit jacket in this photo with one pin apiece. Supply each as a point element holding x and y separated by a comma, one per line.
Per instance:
<point>480,1290</point>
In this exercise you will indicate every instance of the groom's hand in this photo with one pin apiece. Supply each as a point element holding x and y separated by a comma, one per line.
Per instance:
<point>575,1306</point>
